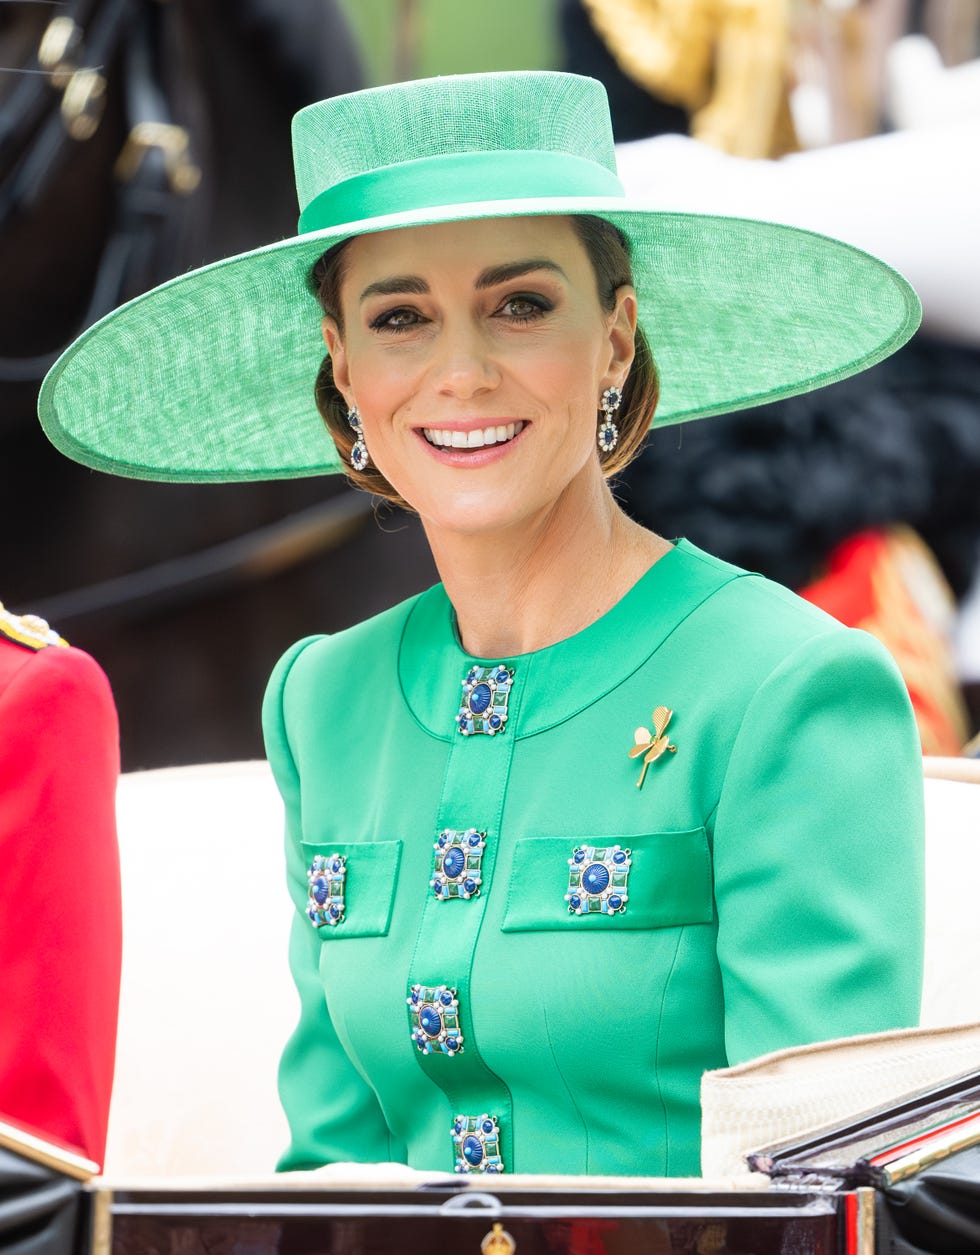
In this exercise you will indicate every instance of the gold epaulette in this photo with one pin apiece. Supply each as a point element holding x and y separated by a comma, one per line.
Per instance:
<point>28,630</point>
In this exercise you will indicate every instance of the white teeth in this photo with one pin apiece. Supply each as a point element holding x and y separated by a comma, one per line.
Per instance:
<point>474,439</point>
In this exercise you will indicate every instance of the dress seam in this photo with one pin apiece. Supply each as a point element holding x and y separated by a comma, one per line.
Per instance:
<point>660,1029</point>
<point>568,1090</point>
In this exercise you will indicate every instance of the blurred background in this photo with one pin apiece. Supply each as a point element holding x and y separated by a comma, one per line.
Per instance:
<point>139,138</point>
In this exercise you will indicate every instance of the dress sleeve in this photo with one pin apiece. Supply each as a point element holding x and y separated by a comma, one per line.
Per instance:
<point>333,1113</point>
<point>818,850</point>
<point>60,926</point>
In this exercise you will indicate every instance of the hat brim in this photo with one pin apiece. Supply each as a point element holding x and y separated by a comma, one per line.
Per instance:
<point>209,377</point>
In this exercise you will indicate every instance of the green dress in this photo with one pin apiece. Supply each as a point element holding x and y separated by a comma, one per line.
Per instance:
<point>542,991</point>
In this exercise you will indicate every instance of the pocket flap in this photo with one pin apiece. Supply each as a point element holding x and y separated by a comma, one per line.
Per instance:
<point>370,877</point>
<point>669,883</point>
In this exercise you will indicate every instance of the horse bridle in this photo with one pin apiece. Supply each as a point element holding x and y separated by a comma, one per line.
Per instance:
<point>58,102</point>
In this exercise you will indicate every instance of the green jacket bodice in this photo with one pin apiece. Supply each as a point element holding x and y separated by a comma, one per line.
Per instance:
<point>772,896</point>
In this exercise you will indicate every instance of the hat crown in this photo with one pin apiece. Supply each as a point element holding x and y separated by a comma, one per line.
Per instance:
<point>528,110</point>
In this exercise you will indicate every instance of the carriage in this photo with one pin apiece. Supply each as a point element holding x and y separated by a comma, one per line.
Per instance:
<point>868,1144</point>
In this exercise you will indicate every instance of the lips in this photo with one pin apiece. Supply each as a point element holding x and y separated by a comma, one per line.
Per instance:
<point>476,438</point>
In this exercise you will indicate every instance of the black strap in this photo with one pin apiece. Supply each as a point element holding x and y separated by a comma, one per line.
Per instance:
<point>33,126</point>
<point>146,203</point>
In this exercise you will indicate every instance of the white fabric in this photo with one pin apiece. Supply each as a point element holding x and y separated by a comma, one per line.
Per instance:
<point>922,91</point>
<point>911,198</point>
<point>207,1000</point>
<point>950,988</point>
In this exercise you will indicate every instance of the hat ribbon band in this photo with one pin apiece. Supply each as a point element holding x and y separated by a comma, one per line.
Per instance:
<point>457,179</point>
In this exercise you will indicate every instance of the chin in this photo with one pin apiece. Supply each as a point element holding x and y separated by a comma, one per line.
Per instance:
<point>475,514</point>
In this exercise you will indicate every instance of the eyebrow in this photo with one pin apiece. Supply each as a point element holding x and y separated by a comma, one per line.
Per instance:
<point>490,278</point>
<point>396,285</point>
<point>495,275</point>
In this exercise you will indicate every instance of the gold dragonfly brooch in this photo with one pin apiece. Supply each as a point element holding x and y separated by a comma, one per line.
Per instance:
<point>652,745</point>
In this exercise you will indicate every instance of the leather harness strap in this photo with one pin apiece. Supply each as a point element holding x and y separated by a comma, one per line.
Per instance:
<point>154,171</point>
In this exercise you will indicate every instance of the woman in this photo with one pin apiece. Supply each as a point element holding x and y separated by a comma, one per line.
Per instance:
<point>597,812</point>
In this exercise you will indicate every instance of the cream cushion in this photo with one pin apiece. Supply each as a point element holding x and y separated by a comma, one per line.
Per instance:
<point>207,1000</point>
<point>951,988</point>
<point>790,1092</point>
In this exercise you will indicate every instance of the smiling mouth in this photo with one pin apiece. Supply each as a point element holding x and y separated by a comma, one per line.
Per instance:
<point>478,438</point>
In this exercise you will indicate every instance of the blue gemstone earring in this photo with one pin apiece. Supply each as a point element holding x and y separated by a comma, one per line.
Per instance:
<point>359,458</point>
<point>607,437</point>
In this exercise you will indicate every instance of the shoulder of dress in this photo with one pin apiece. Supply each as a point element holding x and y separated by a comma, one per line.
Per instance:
<point>752,625</point>
<point>757,599</point>
<point>748,592</point>
<point>28,630</point>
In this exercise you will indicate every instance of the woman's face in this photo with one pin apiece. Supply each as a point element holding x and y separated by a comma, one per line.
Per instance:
<point>476,353</point>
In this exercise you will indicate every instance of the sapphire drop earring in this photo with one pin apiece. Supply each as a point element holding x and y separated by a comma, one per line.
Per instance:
<point>359,458</point>
<point>607,436</point>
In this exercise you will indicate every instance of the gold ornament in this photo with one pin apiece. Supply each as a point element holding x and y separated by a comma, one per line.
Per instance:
<point>655,744</point>
<point>498,1242</point>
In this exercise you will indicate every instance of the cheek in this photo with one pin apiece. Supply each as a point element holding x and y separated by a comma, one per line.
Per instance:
<point>382,379</point>
<point>569,380</point>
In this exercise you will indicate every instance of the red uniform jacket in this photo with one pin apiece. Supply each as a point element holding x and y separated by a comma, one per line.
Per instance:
<point>60,919</point>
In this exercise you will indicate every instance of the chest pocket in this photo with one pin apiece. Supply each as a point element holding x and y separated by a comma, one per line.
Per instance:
<point>669,883</point>
<point>358,879</point>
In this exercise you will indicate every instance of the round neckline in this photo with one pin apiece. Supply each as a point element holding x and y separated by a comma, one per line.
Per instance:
<point>432,662</point>
<point>487,660</point>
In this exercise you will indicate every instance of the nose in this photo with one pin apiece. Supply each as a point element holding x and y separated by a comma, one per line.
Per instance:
<point>464,365</point>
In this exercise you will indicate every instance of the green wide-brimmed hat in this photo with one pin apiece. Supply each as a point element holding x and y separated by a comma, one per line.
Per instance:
<point>210,376</point>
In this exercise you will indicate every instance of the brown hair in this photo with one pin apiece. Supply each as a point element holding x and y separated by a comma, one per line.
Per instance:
<point>608,251</point>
